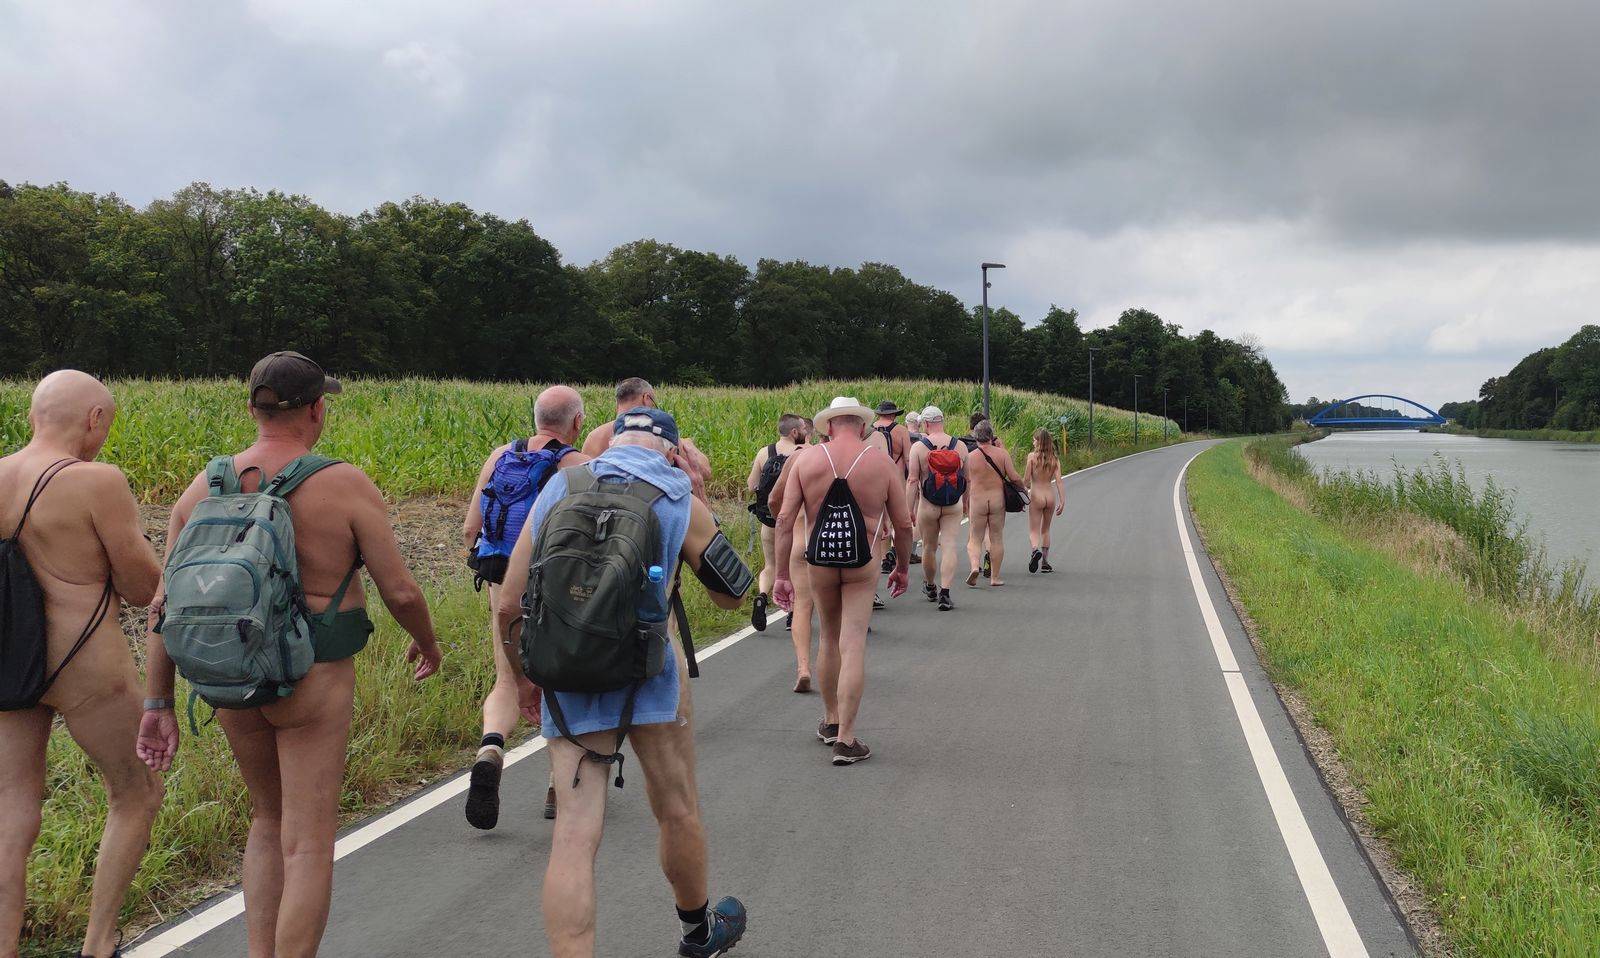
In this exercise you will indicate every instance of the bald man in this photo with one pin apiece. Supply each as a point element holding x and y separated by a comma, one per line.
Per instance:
<point>558,417</point>
<point>83,541</point>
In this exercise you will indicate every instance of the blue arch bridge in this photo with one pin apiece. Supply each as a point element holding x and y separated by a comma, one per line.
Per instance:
<point>1387,412</point>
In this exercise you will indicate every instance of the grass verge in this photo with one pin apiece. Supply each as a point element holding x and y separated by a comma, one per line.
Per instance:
<point>1543,435</point>
<point>1473,734</point>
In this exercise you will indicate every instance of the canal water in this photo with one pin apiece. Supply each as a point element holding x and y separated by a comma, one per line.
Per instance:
<point>1556,485</point>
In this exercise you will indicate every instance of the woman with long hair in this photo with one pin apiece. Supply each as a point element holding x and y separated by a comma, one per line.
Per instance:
<point>1046,499</point>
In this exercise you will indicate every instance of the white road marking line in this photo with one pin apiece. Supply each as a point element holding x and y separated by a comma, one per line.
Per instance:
<point>1339,934</point>
<point>232,906</point>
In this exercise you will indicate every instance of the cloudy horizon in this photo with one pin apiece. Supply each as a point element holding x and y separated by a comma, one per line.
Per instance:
<point>1387,200</point>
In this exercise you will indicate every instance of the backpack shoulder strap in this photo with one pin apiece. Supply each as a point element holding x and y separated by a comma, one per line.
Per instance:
<point>296,472</point>
<point>579,480</point>
<point>520,445</point>
<point>925,441</point>
<point>772,451</point>
<point>221,478</point>
<point>53,470</point>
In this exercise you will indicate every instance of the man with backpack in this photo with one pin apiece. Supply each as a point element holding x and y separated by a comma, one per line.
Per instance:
<point>263,612</point>
<point>939,474</point>
<point>70,543</point>
<point>584,611</point>
<point>764,473</point>
<point>509,482</point>
<point>895,441</point>
<point>850,492</point>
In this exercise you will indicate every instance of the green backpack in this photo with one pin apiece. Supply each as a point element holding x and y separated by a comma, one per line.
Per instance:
<point>236,623</point>
<point>581,630</point>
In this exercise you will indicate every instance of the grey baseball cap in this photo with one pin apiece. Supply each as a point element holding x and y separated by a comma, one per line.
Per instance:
<point>288,380</point>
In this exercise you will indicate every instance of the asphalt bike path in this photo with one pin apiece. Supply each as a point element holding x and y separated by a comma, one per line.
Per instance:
<point>1086,763</point>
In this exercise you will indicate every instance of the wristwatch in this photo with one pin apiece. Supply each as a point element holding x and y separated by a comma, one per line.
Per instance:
<point>157,705</point>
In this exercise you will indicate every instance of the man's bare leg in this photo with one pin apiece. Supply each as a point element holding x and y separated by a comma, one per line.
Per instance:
<point>769,568</point>
<point>24,738</point>
<point>312,739</point>
<point>825,594</point>
<point>574,843</point>
<point>106,728</point>
<point>800,621</point>
<point>850,676</point>
<point>949,537</point>
<point>977,527</point>
<point>666,753</point>
<point>254,743</point>
<point>928,529</point>
<point>500,705</point>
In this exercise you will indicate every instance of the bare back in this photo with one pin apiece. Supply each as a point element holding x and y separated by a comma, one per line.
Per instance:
<point>874,480</point>
<point>83,532</point>
<point>984,480</point>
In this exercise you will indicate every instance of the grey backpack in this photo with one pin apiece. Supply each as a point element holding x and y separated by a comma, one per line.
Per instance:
<point>236,623</point>
<point>597,551</point>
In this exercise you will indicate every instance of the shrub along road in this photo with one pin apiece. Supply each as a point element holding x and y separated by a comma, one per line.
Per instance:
<point>1062,767</point>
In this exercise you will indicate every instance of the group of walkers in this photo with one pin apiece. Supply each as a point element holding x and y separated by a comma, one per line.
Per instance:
<point>864,499</point>
<point>259,605</point>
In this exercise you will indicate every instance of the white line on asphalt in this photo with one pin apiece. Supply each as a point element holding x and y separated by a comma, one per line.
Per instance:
<point>233,906</point>
<point>1339,933</point>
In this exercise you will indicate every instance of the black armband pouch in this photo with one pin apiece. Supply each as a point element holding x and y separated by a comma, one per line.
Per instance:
<point>722,570</point>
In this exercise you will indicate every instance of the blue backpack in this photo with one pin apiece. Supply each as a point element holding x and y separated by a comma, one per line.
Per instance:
<point>507,499</point>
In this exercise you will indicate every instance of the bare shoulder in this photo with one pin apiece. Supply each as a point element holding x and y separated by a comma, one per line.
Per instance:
<point>342,478</point>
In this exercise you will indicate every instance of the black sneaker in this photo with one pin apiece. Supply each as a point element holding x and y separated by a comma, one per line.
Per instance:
<point>945,605</point>
<point>877,602</point>
<point>483,795</point>
<point>929,590</point>
<point>828,733</point>
<point>1033,562</point>
<point>889,560</point>
<point>788,623</point>
<point>550,802</point>
<point>758,613</point>
<point>916,557</point>
<point>1045,566</point>
<point>986,572</point>
<point>850,754</point>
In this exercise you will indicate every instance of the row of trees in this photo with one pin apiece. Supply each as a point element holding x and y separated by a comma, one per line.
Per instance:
<point>1554,388</point>
<point>204,282</point>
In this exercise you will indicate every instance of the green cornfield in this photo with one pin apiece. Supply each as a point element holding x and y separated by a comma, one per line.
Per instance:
<point>417,437</point>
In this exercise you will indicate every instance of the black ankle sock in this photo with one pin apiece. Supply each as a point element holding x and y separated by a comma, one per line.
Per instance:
<point>696,924</point>
<point>495,739</point>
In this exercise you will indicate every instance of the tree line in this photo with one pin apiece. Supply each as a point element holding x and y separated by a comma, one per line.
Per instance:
<point>1553,388</point>
<point>206,281</point>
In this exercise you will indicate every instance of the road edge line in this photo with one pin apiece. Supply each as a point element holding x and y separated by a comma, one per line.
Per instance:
<point>1339,933</point>
<point>201,923</point>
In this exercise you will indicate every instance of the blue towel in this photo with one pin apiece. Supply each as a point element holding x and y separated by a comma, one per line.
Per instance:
<point>658,698</point>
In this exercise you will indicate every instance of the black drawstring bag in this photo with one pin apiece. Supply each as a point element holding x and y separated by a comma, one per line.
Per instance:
<point>24,640</point>
<point>839,534</point>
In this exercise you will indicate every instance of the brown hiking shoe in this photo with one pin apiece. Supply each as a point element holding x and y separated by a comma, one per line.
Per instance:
<point>829,734</point>
<point>850,754</point>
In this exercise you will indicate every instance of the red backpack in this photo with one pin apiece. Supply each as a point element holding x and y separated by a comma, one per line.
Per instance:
<point>945,482</point>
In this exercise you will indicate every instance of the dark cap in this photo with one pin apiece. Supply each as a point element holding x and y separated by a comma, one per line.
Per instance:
<point>646,419</point>
<point>888,408</point>
<point>288,380</point>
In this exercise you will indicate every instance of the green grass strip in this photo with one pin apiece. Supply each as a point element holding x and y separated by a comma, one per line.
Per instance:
<point>1478,749</point>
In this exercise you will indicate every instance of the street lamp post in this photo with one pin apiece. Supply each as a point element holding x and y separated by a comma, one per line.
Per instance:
<point>1092,351</point>
<point>1164,413</point>
<point>984,269</point>
<point>1136,410</point>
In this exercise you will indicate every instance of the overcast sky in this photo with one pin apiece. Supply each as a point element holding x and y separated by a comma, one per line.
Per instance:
<point>1394,197</point>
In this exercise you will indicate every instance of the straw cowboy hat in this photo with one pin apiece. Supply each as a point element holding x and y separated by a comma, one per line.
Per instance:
<point>842,406</point>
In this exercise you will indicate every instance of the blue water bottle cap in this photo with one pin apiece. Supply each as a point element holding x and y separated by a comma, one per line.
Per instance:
<point>655,573</point>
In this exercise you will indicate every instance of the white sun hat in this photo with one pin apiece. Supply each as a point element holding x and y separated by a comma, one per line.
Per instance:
<point>842,406</point>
